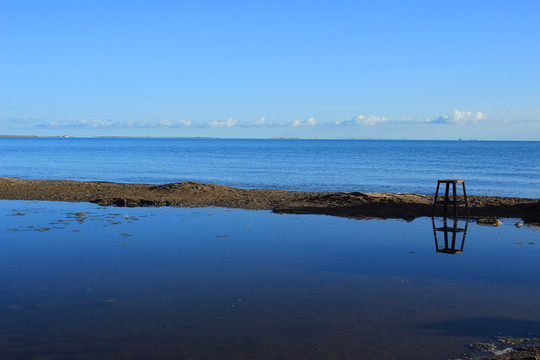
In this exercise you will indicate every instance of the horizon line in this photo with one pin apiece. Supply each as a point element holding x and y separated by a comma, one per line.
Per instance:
<point>241,138</point>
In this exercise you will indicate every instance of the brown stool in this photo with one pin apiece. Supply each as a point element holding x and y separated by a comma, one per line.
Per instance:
<point>447,200</point>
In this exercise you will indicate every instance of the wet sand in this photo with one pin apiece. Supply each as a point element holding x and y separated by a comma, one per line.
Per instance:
<point>194,194</point>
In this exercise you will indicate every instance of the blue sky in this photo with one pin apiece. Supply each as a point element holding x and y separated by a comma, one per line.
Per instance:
<point>308,69</point>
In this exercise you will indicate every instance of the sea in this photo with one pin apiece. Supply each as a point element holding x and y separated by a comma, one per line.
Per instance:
<point>83,281</point>
<point>498,168</point>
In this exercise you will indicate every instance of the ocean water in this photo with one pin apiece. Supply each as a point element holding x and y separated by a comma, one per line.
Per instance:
<point>81,281</point>
<point>489,167</point>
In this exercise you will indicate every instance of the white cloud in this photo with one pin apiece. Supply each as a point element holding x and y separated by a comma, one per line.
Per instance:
<point>148,124</point>
<point>231,122</point>
<point>165,122</point>
<point>101,123</point>
<point>215,124</point>
<point>86,122</point>
<point>345,122</point>
<point>456,117</point>
<point>372,120</point>
<point>309,122</point>
<point>459,117</point>
<point>363,120</point>
<point>467,116</point>
<point>221,124</point>
<point>261,122</point>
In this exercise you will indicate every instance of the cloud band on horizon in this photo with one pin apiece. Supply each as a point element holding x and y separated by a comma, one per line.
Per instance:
<point>457,117</point>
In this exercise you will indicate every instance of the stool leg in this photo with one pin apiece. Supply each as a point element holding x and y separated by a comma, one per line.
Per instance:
<point>446,197</point>
<point>435,233</point>
<point>435,199</point>
<point>453,248</point>
<point>454,235</point>
<point>465,199</point>
<point>455,199</point>
<point>445,234</point>
<point>464,234</point>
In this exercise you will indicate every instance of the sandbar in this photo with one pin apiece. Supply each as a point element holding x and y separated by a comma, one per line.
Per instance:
<point>195,194</point>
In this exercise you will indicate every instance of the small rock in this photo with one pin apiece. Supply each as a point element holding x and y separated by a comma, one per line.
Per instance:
<point>489,222</point>
<point>518,224</point>
<point>484,346</point>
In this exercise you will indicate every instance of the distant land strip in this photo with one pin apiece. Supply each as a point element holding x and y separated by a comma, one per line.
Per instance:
<point>194,194</point>
<point>18,136</point>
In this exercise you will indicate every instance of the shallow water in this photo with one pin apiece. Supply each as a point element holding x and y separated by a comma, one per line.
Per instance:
<point>81,281</point>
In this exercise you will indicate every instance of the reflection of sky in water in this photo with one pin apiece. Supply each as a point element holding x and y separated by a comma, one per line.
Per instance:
<point>217,283</point>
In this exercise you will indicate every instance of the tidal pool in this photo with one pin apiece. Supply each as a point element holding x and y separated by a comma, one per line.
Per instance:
<point>79,281</point>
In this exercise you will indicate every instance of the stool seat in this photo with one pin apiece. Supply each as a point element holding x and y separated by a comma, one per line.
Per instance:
<point>451,181</point>
<point>450,201</point>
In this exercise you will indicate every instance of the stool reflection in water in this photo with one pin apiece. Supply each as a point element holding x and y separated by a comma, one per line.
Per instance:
<point>450,247</point>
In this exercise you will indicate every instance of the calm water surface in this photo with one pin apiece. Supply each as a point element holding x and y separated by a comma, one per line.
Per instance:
<point>84,282</point>
<point>502,168</point>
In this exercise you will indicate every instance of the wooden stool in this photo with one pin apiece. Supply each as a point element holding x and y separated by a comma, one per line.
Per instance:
<point>447,200</point>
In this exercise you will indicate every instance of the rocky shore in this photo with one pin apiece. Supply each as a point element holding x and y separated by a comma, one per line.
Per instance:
<point>194,194</point>
<point>518,353</point>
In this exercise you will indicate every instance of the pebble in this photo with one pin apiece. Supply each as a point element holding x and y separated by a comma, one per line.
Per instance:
<point>489,222</point>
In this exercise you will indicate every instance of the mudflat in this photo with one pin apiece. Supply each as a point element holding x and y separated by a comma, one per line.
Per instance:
<point>195,194</point>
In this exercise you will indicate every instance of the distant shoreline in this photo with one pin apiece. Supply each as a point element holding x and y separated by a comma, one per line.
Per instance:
<point>247,138</point>
<point>19,136</point>
<point>195,194</point>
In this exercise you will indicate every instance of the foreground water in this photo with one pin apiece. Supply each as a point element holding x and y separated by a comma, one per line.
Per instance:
<point>85,282</point>
<point>501,168</point>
